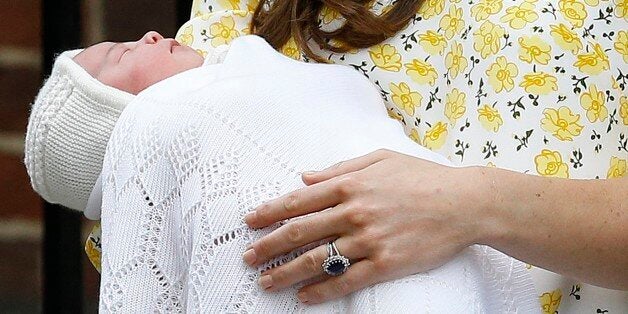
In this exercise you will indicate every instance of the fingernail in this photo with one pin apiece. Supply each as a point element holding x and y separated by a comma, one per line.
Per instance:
<point>266,281</point>
<point>248,218</point>
<point>302,297</point>
<point>308,173</point>
<point>249,257</point>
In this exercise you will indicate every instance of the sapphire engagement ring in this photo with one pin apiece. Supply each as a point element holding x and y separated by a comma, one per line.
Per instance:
<point>335,264</point>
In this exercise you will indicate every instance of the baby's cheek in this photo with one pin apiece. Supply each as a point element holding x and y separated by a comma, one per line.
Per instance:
<point>118,78</point>
<point>162,72</point>
<point>142,77</point>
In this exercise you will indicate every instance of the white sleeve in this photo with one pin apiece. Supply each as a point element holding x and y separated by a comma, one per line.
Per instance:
<point>94,203</point>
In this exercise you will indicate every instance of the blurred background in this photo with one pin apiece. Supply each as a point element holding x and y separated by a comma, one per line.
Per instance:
<point>21,74</point>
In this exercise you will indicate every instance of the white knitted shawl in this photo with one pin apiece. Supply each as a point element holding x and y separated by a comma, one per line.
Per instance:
<point>182,169</point>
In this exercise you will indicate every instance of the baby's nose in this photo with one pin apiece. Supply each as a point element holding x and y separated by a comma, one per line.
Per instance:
<point>151,37</point>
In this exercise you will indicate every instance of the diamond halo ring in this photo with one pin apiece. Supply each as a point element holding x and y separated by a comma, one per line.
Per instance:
<point>335,264</point>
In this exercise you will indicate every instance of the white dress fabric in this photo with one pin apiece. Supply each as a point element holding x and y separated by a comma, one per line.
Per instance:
<point>189,157</point>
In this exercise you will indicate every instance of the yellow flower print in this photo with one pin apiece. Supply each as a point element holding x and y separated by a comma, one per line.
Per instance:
<point>394,114</point>
<point>455,61</point>
<point>561,123</point>
<point>573,11</point>
<point>339,43</point>
<point>432,42</point>
<point>614,83</point>
<point>550,164</point>
<point>539,83</point>
<point>435,137</point>
<point>196,7</point>
<point>202,52</point>
<point>621,44</point>
<point>593,102</point>
<point>204,16</point>
<point>186,37</point>
<point>386,57</point>
<point>566,38</point>
<point>93,255</point>
<point>487,39</point>
<point>431,8</point>
<point>229,4</point>
<point>379,8</point>
<point>240,13</point>
<point>534,49</point>
<point>501,74</point>
<point>414,135</point>
<point>518,16</point>
<point>455,105</point>
<point>621,8</point>
<point>328,15</point>
<point>92,247</point>
<point>486,8</point>
<point>452,23</point>
<point>594,62</point>
<point>550,301</point>
<point>623,109</point>
<point>223,32</point>
<point>291,50</point>
<point>617,168</point>
<point>404,98</point>
<point>251,5</point>
<point>592,2</point>
<point>490,118</point>
<point>421,72</point>
<point>386,9</point>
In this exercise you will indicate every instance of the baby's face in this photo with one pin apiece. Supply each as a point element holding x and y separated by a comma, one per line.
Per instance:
<point>134,66</point>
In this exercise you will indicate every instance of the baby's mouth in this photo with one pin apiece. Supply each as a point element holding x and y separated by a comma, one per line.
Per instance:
<point>173,44</point>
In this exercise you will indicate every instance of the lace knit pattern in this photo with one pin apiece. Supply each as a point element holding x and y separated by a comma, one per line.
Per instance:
<point>179,178</point>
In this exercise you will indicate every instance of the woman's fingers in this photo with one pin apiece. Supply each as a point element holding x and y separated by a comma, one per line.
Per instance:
<point>343,167</point>
<point>330,191</point>
<point>308,265</point>
<point>300,202</point>
<point>359,275</point>
<point>296,234</point>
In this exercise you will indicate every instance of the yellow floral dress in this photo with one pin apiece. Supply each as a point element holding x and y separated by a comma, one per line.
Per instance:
<point>533,86</point>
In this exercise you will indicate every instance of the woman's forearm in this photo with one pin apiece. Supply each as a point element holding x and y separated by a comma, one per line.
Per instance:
<point>578,228</point>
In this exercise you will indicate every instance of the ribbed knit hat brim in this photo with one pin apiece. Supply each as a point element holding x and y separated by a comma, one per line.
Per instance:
<point>70,123</point>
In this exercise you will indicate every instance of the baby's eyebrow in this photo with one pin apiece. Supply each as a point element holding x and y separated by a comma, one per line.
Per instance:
<point>111,48</point>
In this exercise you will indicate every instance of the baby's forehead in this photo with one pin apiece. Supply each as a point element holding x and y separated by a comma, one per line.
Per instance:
<point>92,57</point>
<point>96,51</point>
<point>102,46</point>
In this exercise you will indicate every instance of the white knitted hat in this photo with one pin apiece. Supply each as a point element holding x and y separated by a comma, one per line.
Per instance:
<point>68,130</point>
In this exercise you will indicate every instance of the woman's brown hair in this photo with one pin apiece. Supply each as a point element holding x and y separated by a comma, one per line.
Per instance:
<point>280,20</point>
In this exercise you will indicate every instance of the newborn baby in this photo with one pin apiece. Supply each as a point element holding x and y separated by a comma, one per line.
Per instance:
<point>192,154</point>
<point>133,66</point>
<point>76,109</point>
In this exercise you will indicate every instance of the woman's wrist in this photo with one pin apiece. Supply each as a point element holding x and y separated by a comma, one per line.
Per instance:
<point>491,211</point>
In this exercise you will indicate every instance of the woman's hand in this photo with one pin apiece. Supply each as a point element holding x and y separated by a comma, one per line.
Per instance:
<point>392,214</point>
